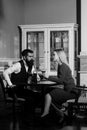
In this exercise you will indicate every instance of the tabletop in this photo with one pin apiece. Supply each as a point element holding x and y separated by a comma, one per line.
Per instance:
<point>39,86</point>
<point>47,82</point>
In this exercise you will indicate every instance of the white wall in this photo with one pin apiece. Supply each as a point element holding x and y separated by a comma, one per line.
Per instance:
<point>84,26</point>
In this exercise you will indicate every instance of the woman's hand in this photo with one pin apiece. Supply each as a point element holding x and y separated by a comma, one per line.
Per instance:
<point>12,86</point>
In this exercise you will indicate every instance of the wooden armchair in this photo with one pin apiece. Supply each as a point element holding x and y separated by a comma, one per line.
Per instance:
<point>78,106</point>
<point>13,101</point>
<point>74,107</point>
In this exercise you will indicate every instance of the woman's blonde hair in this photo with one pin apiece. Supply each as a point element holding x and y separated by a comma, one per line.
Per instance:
<point>62,55</point>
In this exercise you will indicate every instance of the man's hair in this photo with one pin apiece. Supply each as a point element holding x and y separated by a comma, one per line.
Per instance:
<point>26,51</point>
<point>59,49</point>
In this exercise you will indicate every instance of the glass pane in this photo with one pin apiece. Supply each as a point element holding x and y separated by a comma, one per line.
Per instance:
<point>58,39</point>
<point>35,41</point>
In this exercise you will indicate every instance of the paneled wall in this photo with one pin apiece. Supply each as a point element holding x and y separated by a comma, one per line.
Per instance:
<point>11,15</point>
<point>16,12</point>
<point>50,11</point>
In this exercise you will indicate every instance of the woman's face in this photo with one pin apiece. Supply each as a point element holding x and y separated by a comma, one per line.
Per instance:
<point>55,57</point>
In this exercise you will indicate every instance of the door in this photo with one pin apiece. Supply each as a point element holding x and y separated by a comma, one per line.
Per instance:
<point>36,39</point>
<point>58,38</point>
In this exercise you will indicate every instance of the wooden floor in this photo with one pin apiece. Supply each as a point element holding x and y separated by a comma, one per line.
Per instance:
<point>28,121</point>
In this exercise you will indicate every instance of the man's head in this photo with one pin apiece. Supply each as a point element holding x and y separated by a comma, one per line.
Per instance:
<point>27,55</point>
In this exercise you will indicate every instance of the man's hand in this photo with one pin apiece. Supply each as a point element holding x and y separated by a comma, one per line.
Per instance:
<point>38,78</point>
<point>44,77</point>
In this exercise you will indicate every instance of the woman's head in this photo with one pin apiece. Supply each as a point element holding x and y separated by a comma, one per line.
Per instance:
<point>60,56</point>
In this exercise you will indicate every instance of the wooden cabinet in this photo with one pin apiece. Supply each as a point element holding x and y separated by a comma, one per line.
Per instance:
<point>44,38</point>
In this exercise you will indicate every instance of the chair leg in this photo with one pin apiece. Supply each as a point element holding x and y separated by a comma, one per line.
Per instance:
<point>59,113</point>
<point>70,109</point>
<point>14,120</point>
<point>57,109</point>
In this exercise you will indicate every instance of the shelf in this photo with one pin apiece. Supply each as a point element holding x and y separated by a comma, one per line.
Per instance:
<point>82,72</point>
<point>82,56</point>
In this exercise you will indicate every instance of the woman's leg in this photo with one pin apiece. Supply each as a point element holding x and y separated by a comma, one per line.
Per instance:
<point>47,105</point>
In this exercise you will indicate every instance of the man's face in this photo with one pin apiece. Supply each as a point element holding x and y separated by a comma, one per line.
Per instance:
<point>29,59</point>
<point>29,56</point>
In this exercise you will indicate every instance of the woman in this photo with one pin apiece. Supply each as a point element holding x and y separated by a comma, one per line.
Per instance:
<point>64,76</point>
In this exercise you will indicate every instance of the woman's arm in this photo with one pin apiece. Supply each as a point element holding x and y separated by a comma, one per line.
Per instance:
<point>60,77</point>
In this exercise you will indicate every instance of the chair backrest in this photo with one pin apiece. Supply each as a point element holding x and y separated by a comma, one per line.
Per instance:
<point>2,87</point>
<point>5,92</point>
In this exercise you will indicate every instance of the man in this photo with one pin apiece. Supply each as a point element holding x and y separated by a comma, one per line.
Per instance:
<point>18,75</point>
<point>20,71</point>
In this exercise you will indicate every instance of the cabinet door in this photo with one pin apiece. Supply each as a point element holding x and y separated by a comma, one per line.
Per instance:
<point>57,39</point>
<point>36,40</point>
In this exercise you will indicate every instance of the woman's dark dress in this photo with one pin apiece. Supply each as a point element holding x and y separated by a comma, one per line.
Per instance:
<point>64,77</point>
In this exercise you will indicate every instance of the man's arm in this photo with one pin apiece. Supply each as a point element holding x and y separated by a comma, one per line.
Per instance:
<point>6,74</point>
